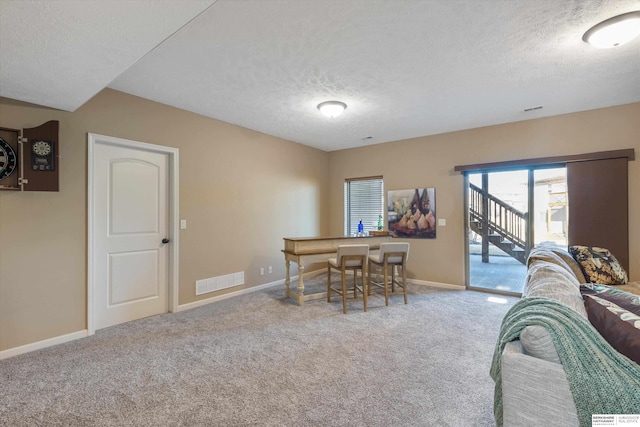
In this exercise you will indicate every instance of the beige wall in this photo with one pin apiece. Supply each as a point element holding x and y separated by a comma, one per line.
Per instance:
<point>241,192</point>
<point>429,162</point>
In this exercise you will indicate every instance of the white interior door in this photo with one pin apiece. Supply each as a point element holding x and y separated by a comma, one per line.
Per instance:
<point>130,220</point>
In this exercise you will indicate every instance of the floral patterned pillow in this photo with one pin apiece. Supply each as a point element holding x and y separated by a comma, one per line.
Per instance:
<point>599,265</point>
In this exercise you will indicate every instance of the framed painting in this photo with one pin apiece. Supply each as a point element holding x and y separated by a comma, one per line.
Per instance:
<point>412,213</point>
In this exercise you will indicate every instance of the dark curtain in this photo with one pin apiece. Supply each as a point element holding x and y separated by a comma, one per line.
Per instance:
<point>599,207</point>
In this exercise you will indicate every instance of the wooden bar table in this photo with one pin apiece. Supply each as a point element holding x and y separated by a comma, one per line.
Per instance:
<point>306,250</point>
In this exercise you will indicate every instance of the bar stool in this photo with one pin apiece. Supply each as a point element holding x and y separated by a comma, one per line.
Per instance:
<point>349,257</point>
<point>391,255</point>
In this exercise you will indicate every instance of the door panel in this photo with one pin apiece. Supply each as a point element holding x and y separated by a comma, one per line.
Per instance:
<point>131,219</point>
<point>133,276</point>
<point>134,208</point>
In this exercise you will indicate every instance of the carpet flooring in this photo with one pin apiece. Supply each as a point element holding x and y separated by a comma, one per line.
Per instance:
<point>260,360</point>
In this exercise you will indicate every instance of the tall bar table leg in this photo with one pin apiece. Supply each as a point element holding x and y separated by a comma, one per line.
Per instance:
<point>300,283</point>
<point>287,278</point>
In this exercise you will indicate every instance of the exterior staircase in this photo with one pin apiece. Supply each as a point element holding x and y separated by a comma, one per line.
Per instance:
<point>498,223</point>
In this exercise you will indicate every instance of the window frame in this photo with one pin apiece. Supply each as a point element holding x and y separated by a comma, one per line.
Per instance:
<point>368,214</point>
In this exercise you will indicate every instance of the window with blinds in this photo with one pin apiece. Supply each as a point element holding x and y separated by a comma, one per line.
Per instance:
<point>363,200</point>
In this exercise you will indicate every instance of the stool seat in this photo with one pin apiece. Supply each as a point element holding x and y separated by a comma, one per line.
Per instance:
<point>349,257</point>
<point>391,255</point>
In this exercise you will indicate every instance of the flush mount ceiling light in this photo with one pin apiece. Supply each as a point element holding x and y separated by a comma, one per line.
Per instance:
<point>332,108</point>
<point>614,31</point>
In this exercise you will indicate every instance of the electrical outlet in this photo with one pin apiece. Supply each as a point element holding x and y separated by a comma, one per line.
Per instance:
<point>262,271</point>
<point>270,269</point>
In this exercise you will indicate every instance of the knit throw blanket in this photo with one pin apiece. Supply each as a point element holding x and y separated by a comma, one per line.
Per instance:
<point>601,380</point>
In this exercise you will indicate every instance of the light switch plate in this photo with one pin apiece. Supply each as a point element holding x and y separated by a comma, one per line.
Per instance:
<point>183,224</point>
<point>442,222</point>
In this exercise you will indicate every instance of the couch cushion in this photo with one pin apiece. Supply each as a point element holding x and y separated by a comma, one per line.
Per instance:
<point>549,280</point>
<point>616,315</point>
<point>631,287</point>
<point>557,256</point>
<point>571,263</point>
<point>599,265</point>
<point>537,342</point>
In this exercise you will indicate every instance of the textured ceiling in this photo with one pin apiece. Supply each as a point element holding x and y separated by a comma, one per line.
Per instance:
<point>60,53</point>
<point>405,68</point>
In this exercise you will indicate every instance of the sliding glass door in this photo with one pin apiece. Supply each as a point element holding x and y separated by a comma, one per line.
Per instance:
<point>550,207</point>
<point>508,213</point>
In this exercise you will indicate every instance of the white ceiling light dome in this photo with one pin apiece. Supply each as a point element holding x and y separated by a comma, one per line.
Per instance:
<point>332,108</point>
<point>615,31</point>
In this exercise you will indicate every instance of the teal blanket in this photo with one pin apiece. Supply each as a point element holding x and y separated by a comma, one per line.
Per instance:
<point>601,380</point>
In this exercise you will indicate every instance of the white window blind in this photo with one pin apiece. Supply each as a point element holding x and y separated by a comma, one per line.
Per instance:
<point>363,200</point>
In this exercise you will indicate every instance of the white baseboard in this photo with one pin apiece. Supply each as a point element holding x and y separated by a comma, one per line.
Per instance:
<point>5,354</point>
<point>202,302</point>
<point>436,284</point>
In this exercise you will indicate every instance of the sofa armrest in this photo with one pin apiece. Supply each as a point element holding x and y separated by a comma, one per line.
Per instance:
<point>535,392</point>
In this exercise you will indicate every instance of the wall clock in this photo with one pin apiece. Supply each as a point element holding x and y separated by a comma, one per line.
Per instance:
<point>8,161</point>
<point>42,156</point>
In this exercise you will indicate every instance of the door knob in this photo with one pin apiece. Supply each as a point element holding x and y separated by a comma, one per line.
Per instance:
<point>165,240</point>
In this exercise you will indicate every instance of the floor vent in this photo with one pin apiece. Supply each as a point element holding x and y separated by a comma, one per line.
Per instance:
<point>213,284</point>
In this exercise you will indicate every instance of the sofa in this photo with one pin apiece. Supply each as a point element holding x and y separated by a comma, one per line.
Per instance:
<point>532,384</point>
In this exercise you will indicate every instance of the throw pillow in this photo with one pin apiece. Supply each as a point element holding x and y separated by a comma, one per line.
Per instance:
<point>599,265</point>
<point>616,315</point>
<point>627,300</point>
